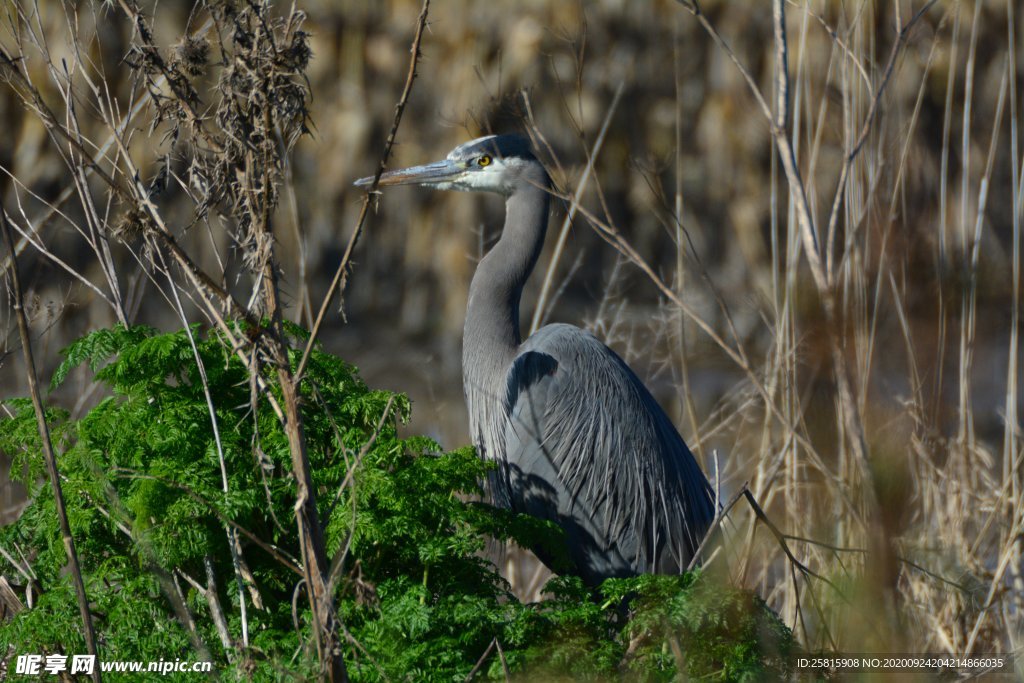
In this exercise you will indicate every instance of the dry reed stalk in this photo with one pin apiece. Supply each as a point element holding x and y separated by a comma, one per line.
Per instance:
<point>1013,466</point>
<point>862,287</point>
<point>47,445</point>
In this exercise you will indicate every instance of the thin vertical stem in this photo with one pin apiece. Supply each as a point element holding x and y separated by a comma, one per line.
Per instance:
<point>1010,431</point>
<point>47,445</point>
<point>341,274</point>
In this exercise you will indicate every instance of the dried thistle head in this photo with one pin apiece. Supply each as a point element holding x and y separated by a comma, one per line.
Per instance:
<point>144,58</point>
<point>295,57</point>
<point>135,223</point>
<point>234,139</point>
<point>194,53</point>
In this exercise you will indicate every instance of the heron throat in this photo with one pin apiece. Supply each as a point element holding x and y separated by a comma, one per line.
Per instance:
<point>491,336</point>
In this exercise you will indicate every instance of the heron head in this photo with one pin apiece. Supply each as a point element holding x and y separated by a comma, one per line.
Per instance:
<point>494,163</point>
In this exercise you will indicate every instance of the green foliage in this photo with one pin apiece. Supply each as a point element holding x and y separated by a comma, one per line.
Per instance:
<point>149,511</point>
<point>719,633</point>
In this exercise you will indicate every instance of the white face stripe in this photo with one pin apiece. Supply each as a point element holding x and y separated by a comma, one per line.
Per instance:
<point>491,178</point>
<point>488,177</point>
<point>508,154</point>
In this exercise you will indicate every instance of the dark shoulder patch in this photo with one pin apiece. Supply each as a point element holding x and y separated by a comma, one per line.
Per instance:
<point>527,370</point>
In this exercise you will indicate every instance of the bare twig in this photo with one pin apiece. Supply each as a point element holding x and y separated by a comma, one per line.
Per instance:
<point>341,274</point>
<point>781,539</point>
<point>232,536</point>
<point>494,645</point>
<point>581,187</point>
<point>723,511</point>
<point>47,446</point>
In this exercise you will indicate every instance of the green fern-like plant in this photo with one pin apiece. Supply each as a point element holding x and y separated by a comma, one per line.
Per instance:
<point>153,520</point>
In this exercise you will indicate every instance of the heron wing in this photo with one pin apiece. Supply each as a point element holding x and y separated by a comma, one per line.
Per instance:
<point>588,447</point>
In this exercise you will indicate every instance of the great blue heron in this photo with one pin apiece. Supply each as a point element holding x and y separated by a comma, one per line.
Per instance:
<point>577,437</point>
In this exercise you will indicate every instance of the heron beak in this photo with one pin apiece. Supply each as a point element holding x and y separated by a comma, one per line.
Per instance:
<point>430,174</point>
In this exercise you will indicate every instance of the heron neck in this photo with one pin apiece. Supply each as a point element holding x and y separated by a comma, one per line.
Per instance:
<point>491,335</point>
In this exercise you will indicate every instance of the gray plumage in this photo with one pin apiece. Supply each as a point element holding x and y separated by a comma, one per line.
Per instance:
<point>577,437</point>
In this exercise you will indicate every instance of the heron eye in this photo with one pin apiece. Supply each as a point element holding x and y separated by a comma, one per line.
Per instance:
<point>485,160</point>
